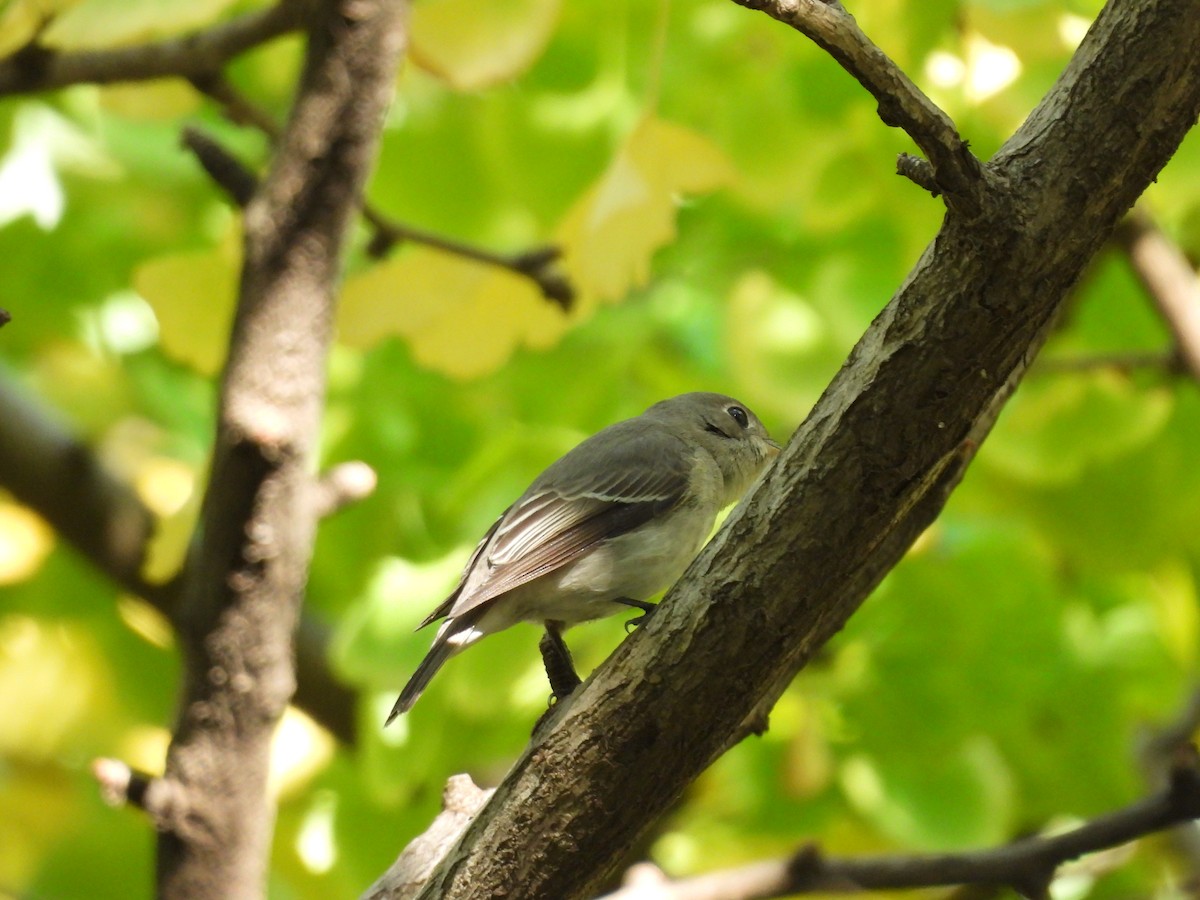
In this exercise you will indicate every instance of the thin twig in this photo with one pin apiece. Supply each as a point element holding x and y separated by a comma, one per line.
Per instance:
<point>537,264</point>
<point>1169,278</point>
<point>1167,362</point>
<point>229,172</point>
<point>5,317</point>
<point>37,68</point>
<point>1027,866</point>
<point>956,171</point>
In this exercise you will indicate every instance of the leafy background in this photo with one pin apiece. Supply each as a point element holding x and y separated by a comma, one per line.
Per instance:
<point>726,201</point>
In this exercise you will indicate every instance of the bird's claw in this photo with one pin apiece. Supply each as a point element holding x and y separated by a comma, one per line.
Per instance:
<point>646,608</point>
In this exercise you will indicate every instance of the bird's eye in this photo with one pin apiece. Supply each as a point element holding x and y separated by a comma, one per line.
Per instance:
<point>738,415</point>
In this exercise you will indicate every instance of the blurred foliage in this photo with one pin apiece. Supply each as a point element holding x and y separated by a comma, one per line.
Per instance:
<point>725,197</point>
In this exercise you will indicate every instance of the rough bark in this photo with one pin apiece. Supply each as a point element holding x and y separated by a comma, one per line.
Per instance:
<point>865,474</point>
<point>245,578</point>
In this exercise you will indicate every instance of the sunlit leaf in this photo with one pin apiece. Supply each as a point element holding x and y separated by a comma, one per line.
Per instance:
<point>193,294</point>
<point>473,45</point>
<point>20,20</point>
<point>611,233</point>
<point>53,667</point>
<point>108,23</point>
<point>154,100</point>
<point>167,548</point>
<point>460,317</point>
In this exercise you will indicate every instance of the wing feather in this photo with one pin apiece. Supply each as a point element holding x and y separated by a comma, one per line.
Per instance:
<point>615,481</point>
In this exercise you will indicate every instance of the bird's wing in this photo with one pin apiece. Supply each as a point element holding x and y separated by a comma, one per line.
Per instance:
<point>446,605</point>
<point>612,483</point>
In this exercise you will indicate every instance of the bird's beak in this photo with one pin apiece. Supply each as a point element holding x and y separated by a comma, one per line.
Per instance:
<point>773,448</point>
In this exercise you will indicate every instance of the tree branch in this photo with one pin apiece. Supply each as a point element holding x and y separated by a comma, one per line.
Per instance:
<point>36,68</point>
<point>865,474</point>
<point>246,575</point>
<point>1027,866</point>
<point>951,169</point>
<point>461,801</point>
<point>1166,362</point>
<point>539,264</point>
<point>1169,279</point>
<point>59,478</point>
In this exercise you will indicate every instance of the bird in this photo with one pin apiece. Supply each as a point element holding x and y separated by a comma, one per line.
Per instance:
<point>609,524</point>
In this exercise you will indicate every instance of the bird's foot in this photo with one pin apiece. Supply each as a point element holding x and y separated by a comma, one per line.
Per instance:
<point>560,668</point>
<point>646,608</point>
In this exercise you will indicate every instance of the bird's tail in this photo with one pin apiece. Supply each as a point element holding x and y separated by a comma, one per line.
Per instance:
<point>452,637</point>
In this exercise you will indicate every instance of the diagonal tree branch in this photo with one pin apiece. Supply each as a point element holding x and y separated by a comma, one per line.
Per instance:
<point>951,168</point>
<point>1170,280</point>
<point>246,575</point>
<point>1027,865</point>
<point>866,473</point>
<point>37,68</point>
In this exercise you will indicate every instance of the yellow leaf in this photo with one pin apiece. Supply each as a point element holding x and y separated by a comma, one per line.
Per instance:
<point>610,235</point>
<point>154,100</point>
<point>193,295</point>
<point>52,676</point>
<point>20,20</point>
<point>465,318</point>
<point>110,23</point>
<point>460,317</point>
<point>472,45</point>
<point>167,549</point>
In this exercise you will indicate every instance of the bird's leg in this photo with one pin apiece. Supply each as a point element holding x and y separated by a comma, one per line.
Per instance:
<point>646,608</point>
<point>560,668</point>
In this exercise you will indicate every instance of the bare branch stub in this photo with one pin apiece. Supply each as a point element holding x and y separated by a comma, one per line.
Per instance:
<point>918,170</point>
<point>163,800</point>
<point>956,172</point>
<point>5,317</point>
<point>344,484</point>
<point>230,174</point>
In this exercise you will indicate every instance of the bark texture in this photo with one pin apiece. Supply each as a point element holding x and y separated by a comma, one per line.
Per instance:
<point>864,475</point>
<point>246,575</point>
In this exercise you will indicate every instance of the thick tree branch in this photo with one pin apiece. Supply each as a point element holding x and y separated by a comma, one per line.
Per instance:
<point>45,467</point>
<point>246,576</point>
<point>1026,866</point>
<point>951,169</point>
<point>866,473</point>
<point>36,68</point>
<point>461,801</point>
<point>1170,280</point>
